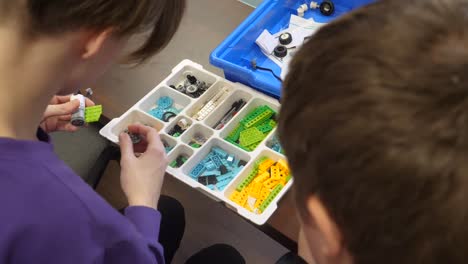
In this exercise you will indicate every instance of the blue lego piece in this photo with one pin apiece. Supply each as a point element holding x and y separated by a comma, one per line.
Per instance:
<point>157,112</point>
<point>220,152</point>
<point>222,185</point>
<point>212,172</point>
<point>211,186</point>
<point>210,165</point>
<point>165,102</point>
<point>225,177</point>
<point>216,160</point>
<point>197,171</point>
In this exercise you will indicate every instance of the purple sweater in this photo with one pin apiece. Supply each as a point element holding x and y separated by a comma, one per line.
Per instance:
<point>49,215</point>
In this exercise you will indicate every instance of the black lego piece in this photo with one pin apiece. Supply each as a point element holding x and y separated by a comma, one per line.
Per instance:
<point>285,39</point>
<point>223,169</point>
<point>327,8</point>
<point>208,180</point>
<point>242,163</point>
<point>192,79</point>
<point>280,51</point>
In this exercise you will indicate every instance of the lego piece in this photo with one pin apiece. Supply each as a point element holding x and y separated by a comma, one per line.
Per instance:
<point>197,171</point>
<point>212,103</point>
<point>262,177</point>
<point>191,86</point>
<point>259,115</point>
<point>217,161</point>
<point>270,197</point>
<point>251,136</point>
<point>247,180</point>
<point>220,152</point>
<point>165,102</point>
<point>265,127</point>
<point>178,162</point>
<point>208,180</point>
<point>93,113</point>
<point>275,173</point>
<point>270,184</point>
<point>235,134</point>
<point>265,165</point>
<point>223,170</point>
<point>242,163</point>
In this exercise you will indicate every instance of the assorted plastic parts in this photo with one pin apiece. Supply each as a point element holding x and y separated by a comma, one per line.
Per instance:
<point>272,15</point>
<point>200,156</point>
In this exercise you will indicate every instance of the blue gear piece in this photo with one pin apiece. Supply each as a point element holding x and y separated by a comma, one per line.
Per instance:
<point>158,113</point>
<point>165,102</point>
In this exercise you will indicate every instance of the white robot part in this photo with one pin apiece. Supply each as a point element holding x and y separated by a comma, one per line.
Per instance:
<point>314,5</point>
<point>78,118</point>
<point>210,106</point>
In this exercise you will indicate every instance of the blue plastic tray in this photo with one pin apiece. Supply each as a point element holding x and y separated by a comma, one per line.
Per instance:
<point>234,55</point>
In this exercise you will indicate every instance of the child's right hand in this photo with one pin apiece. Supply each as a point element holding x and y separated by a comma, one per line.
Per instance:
<point>142,177</point>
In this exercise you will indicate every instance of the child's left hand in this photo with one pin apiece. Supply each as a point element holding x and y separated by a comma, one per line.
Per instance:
<point>58,114</point>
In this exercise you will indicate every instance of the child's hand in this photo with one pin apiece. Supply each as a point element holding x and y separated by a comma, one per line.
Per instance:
<point>58,114</point>
<point>142,177</point>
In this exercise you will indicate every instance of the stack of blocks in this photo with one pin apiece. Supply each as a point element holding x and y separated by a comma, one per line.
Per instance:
<point>218,169</point>
<point>263,184</point>
<point>164,105</point>
<point>253,129</point>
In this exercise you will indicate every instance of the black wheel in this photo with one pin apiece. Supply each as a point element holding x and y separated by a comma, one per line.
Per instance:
<point>327,8</point>
<point>280,51</point>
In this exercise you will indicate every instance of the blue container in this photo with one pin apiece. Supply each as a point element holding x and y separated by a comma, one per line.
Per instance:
<point>234,55</point>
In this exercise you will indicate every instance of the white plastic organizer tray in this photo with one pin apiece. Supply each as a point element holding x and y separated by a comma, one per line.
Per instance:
<point>188,106</point>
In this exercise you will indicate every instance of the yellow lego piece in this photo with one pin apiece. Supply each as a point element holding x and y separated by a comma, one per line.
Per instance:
<point>275,173</point>
<point>258,203</point>
<point>264,194</point>
<point>283,165</point>
<point>270,184</point>
<point>264,166</point>
<point>263,177</point>
<point>256,189</point>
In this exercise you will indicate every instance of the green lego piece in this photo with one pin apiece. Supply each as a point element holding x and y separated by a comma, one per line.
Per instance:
<point>251,136</point>
<point>195,145</point>
<point>93,113</point>
<point>273,123</point>
<point>260,161</point>
<point>288,178</point>
<point>271,197</point>
<point>252,147</point>
<point>265,127</point>
<point>235,134</point>
<point>259,116</point>
<point>247,180</point>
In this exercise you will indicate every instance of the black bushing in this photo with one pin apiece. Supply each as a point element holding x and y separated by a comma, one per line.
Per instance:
<point>280,51</point>
<point>327,8</point>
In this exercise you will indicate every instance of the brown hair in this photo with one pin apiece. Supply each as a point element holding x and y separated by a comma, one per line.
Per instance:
<point>375,123</point>
<point>127,17</point>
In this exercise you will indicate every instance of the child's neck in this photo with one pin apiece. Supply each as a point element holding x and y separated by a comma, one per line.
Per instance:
<point>31,72</point>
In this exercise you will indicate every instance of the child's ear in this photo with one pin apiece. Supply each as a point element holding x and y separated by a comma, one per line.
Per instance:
<point>94,42</point>
<point>331,238</point>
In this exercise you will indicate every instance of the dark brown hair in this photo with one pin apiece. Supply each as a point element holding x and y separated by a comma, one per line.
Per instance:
<point>160,17</point>
<point>375,123</point>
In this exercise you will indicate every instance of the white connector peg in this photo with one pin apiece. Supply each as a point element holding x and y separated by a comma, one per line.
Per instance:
<point>314,5</point>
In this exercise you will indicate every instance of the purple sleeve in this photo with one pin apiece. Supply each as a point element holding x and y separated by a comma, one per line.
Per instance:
<point>147,222</point>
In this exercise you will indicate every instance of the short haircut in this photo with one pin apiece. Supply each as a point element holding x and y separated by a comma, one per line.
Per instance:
<point>127,17</point>
<point>375,123</point>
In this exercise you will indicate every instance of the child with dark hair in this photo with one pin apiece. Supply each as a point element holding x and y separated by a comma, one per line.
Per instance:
<point>48,50</point>
<point>375,126</point>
